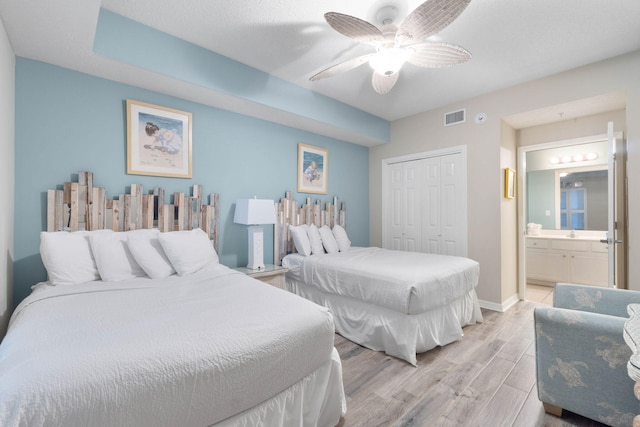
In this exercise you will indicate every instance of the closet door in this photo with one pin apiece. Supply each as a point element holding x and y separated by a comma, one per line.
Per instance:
<point>404,206</point>
<point>444,206</point>
<point>426,205</point>
<point>453,209</point>
<point>431,206</point>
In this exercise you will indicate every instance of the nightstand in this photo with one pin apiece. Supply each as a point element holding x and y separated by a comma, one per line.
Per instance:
<point>271,274</point>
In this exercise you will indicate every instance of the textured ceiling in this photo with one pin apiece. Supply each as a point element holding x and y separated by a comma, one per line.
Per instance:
<point>511,42</point>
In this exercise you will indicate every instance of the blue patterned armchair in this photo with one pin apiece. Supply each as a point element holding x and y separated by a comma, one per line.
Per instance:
<point>581,356</point>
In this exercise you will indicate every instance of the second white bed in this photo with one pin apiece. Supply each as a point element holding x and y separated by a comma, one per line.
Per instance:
<point>402,303</point>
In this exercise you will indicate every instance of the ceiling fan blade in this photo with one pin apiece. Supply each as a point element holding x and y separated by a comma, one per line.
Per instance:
<point>354,28</point>
<point>383,84</point>
<point>342,67</point>
<point>427,19</point>
<point>434,55</point>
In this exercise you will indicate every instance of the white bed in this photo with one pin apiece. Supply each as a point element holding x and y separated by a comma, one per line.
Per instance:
<point>212,347</point>
<point>402,303</point>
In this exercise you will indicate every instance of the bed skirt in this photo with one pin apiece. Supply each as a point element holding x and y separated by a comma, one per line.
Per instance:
<point>397,334</point>
<point>316,400</point>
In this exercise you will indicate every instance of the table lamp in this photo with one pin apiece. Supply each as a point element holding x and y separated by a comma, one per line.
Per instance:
<point>255,212</point>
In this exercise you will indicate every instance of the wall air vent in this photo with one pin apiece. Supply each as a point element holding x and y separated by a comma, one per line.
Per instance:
<point>455,117</point>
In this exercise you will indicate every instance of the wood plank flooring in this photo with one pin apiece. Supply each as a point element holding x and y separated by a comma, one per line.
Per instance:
<point>486,379</point>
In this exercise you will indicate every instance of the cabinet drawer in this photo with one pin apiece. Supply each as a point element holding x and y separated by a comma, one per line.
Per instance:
<point>570,245</point>
<point>599,247</point>
<point>537,243</point>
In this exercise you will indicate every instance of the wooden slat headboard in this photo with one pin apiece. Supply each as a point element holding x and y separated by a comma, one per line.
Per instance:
<point>288,213</point>
<point>81,206</point>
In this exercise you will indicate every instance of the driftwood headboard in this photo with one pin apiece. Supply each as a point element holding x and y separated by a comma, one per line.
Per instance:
<point>81,206</point>
<point>288,213</point>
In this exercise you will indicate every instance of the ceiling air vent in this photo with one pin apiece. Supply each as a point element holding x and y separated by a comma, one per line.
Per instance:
<point>455,117</point>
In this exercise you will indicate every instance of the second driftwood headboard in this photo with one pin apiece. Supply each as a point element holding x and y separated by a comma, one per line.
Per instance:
<point>288,213</point>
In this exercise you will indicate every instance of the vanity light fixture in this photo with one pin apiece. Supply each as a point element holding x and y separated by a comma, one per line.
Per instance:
<point>575,158</point>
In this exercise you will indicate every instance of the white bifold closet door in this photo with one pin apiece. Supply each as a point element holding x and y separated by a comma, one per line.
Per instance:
<point>427,209</point>
<point>405,192</point>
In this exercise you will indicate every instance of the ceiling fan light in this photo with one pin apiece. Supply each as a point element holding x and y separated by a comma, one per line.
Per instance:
<point>388,60</point>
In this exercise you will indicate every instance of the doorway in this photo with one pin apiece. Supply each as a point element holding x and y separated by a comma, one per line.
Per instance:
<point>564,193</point>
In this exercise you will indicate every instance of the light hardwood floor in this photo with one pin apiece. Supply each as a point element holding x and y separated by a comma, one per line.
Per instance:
<point>486,379</point>
<point>540,293</point>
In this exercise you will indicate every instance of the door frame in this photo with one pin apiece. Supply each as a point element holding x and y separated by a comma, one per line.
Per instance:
<point>522,203</point>
<point>458,149</point>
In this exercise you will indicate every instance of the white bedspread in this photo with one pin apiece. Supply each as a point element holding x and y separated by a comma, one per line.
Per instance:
<point>176,351</point>
<point>407,282</point>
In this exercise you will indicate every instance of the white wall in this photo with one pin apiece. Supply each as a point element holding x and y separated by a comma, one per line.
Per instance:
<point>508,220</point>
<point>580,127</point>
<point>486,159</point>
<point>7,133</point>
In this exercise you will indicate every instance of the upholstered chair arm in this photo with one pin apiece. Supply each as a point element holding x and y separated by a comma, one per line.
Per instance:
<point>594,299</point>
<point>581,361</point>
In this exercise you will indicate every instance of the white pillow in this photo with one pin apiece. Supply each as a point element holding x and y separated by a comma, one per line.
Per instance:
<point>113,258</point>
<point>301,239</point>
<point>344,244</point>
<point>67,257</point>
<point>315,240</point>
<point>328,241</point>
<point>188,251</point>
<point>148,253</point>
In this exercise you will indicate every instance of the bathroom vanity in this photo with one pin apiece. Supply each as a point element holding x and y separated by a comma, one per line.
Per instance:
<point>559,258</point>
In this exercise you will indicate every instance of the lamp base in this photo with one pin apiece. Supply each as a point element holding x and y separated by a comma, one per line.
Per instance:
<point>256,248</point>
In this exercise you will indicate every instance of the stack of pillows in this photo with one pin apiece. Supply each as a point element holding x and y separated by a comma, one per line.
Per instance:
<point>311,240</point>
<point>84,256</point>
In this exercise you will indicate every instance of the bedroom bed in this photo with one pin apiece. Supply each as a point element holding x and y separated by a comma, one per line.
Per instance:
<point>143,328</point>
<point>401,303</point>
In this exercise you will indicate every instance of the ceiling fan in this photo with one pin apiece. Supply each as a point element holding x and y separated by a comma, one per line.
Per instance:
<point>396,45</point>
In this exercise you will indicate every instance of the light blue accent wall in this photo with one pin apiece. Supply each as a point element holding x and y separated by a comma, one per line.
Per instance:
<point>68,122</point>
<point>132,43</point>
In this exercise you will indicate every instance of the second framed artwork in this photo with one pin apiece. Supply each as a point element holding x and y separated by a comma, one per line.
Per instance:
<point>158,141</point>
<point>313,175</point>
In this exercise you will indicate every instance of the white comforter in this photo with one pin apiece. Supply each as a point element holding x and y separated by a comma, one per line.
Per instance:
<point>176,351</point>
<point>407,282</point>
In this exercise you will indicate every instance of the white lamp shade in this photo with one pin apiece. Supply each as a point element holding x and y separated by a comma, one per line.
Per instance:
<point>254,211</point>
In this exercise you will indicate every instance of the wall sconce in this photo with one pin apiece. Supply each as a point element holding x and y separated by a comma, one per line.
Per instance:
<point>255,212</point>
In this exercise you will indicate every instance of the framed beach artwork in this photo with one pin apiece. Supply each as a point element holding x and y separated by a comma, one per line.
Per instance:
<point>158,141</point>
<point>312,169</point>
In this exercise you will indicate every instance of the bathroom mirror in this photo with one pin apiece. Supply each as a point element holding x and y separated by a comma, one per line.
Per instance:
<point>566,188</point>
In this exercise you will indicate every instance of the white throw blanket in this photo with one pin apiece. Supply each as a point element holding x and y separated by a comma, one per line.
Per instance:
<point>178,351</point>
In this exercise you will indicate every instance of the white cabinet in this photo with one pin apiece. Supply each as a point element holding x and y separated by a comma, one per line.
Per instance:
<point>564,260</point>
<point>544,263</point>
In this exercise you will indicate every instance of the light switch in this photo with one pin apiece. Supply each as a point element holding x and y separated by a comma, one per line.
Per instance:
<point>547,213</point>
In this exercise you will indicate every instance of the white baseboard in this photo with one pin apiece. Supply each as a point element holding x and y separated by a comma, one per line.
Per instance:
<point>500,307</point>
